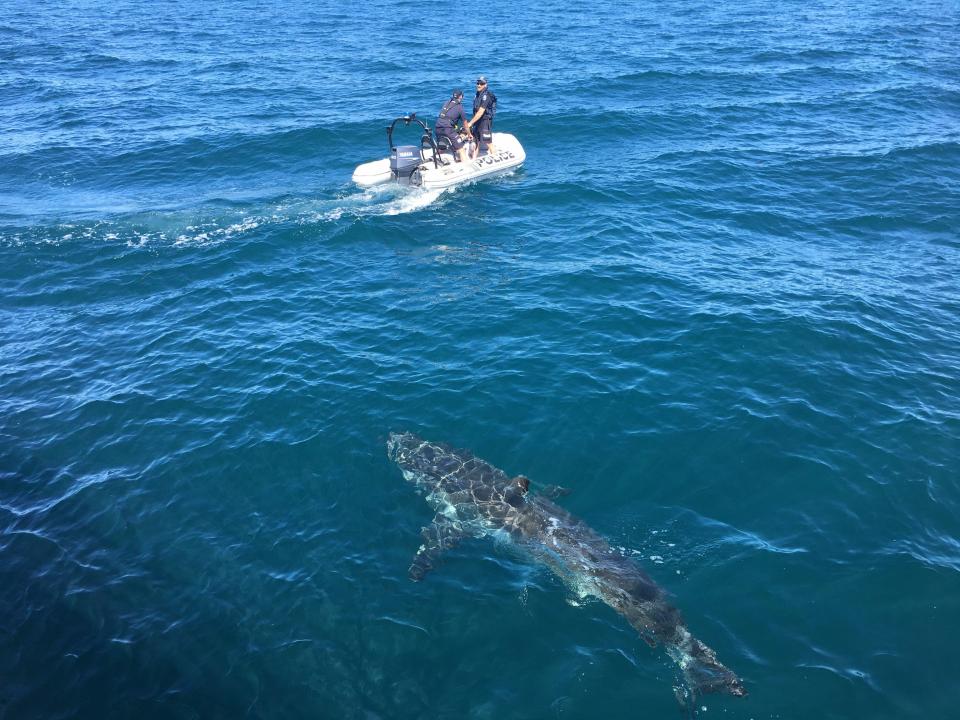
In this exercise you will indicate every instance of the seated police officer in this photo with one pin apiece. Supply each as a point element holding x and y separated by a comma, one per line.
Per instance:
<point>450,114</point>
<point>484,109</point>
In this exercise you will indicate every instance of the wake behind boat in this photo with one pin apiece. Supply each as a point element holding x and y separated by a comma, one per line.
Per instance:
<point>433,165</point>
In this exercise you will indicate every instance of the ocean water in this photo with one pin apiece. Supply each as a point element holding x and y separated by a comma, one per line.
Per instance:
<point>719,302</point>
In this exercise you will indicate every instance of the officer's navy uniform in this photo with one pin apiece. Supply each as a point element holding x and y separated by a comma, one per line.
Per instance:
<point>450,113</point>
<point>483,130</point>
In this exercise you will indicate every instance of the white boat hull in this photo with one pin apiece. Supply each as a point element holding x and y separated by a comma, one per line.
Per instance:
<point>509,154</point>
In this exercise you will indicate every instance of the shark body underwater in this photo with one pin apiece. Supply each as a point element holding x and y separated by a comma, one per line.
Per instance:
<point>475,499</point>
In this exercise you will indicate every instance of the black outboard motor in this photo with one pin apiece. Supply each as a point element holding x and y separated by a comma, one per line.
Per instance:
<point>404,160</point>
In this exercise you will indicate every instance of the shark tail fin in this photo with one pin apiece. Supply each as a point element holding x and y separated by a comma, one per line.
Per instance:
<point>705,674</point>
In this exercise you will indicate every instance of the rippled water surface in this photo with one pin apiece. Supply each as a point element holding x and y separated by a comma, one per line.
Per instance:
<point>719,302</point>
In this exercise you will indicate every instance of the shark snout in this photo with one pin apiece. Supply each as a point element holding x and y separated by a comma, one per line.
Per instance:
<point>401,446</point>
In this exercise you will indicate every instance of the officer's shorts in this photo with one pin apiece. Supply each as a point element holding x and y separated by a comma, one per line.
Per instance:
<point>455,142</point>
<point>483,132</point>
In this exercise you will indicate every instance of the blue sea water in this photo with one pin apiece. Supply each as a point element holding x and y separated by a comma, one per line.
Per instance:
<point>719,302</point>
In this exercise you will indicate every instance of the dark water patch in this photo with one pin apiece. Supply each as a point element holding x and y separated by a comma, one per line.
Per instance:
<point>100,61</point>
<point>802,55</point>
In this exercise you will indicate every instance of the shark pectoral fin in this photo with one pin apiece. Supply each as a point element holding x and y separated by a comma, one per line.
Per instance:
<point>442,534</point>
<point>555,491</point>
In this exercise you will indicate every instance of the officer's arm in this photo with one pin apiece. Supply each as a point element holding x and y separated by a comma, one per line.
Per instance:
<point>479,115</point>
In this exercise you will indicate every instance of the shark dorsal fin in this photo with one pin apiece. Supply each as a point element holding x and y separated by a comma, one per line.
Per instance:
<point>521,483</point>
<point>515,490</point>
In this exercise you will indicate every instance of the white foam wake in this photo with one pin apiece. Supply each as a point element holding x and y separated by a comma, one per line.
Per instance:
<point>207,224</point>
<point>383,200</point>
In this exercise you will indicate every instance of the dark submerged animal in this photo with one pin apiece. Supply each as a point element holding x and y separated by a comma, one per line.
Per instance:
<point>474,499</point>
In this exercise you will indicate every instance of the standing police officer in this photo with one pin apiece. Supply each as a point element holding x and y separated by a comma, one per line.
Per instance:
<point>450,113</point>
<point>484,108</point>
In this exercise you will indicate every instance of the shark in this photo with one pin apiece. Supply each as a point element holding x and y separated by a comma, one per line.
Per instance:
<point>473,499</point>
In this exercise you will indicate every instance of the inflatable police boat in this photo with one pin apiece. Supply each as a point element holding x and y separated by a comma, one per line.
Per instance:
<point>433,165</point>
